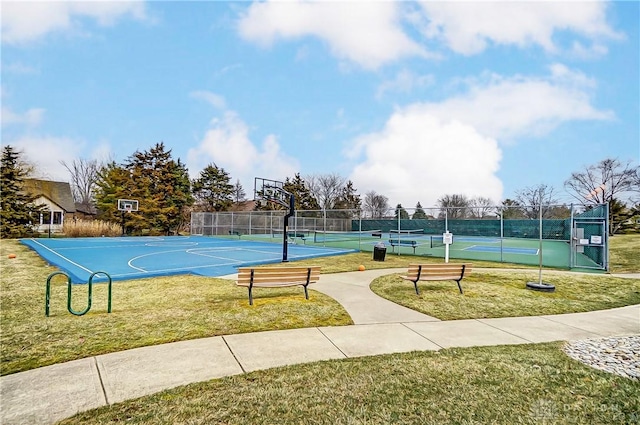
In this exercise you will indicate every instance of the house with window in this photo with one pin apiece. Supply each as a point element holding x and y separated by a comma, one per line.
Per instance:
<point>57,199</point>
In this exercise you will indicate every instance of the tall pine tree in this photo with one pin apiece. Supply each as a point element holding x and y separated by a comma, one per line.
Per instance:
<point>160,184</point>
<point>18,213</point>
<point>113,182</point>
<point>400,211</point>
<point>419,212</point>
<point>213,189</point>
<point>348,203</point>
<point>303,198</point>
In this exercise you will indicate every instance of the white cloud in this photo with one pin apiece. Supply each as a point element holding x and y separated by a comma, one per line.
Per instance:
<point>19,68</point>
<point>405,81</point>
<point>469,27</point>
<point>27,21</point>
<point>372,34</point>
<point>228,145</point>
<point>211,98</point>
<point>46,152</point>
<point>418,157</point>
<point>366,33</point>
<point>430,149</point>
<point>507,107</point>
<point>30,118</point>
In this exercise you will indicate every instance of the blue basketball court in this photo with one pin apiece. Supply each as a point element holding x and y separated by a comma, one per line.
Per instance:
<point>142,257</point>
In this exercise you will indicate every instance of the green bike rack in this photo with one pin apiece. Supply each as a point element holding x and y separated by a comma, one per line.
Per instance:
<point>89,293</point>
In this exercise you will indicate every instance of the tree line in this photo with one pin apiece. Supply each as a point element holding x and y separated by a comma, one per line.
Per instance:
<point>167,195</point>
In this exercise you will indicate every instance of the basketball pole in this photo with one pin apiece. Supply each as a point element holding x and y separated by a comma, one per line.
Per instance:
<point>285,244</point>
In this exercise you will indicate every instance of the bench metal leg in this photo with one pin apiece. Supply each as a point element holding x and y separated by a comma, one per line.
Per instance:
<point>459,286</point>
<point>415,283</point>
<point>306,292</point>
<point>250,296</point>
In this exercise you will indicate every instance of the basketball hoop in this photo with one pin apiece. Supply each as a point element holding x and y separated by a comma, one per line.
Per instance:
<point>127,205</point>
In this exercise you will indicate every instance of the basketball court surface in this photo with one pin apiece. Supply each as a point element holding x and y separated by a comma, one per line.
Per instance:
<point>142,257</point>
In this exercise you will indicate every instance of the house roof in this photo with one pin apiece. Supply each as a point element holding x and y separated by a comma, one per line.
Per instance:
<point>86,209</point>
<point>243,206</point>
<point>58,192</point>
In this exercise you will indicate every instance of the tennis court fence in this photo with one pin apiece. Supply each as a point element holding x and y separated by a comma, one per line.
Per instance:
<point>584,231</point>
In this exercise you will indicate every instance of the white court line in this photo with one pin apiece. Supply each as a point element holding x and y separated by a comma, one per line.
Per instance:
<point>62,256</point>
<point>129,263</point>
<point>178,269</point>
<point>193,251</point>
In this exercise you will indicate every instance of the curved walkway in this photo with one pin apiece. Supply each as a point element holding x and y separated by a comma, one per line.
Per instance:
<point>52,393</point>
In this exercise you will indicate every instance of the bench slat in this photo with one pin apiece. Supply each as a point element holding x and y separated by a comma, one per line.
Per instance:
<point>277,277</point>
<point>436,272</point>
<point>281,281</point>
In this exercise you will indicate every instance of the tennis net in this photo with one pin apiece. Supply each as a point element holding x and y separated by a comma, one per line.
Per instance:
<point>321,236</point>
<point>406,232</point>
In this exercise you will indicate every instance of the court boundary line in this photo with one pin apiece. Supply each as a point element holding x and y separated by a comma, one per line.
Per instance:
<point>62,256</point>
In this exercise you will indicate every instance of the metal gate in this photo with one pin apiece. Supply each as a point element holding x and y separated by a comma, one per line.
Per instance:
<point>589,243</point>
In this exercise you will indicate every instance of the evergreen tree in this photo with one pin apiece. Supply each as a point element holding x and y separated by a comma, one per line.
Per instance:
<point>113,182</point>
<point>160,184</point>
<point>213,190</point>
<point>623,219</point>
<point>163,187</point>
<point>239,195</point>
<point>17,211</point>
<point>303,198</point>
<point>419,214</point>
<point>348,199</point>
<point>401,212</point>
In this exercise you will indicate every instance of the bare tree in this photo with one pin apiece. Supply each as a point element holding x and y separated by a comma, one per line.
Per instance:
<point>602,182</point>
<point>326,188</point>
<point>511,209</point>
<point>376,205</point>
<point>456,206</point>
<point>84,174</point>
<point>482,207</point>
<point>534,198</point>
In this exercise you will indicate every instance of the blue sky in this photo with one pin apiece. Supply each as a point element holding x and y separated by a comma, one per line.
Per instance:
<point>412,100</point>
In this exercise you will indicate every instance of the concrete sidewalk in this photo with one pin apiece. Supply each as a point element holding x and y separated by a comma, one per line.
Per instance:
<point>48,394</point>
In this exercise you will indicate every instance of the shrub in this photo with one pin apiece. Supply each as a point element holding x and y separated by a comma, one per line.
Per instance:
<point>90,228</point>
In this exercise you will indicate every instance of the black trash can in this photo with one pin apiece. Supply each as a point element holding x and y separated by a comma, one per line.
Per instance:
<point>379,251</point>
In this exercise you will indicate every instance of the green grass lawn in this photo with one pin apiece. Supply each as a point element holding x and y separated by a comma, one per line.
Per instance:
<point>513,384</point>
<point>145,312</point>
<point>166,309</point>
<point>523,384</point>
<point>504,294</point>
<point>624,253</point>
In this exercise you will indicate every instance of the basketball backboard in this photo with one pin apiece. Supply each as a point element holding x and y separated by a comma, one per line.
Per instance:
<point>128,205</point>
<point>267,190</point>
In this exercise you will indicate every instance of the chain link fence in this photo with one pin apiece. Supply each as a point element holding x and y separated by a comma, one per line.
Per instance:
<point>565,236</point>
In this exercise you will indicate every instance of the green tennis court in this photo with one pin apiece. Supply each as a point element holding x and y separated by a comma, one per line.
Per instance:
<point>555,253</point>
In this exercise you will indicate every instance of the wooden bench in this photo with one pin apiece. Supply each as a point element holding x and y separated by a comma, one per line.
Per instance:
<point>435,272</point>
<point>403,242</point>
<point>277,277</point>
